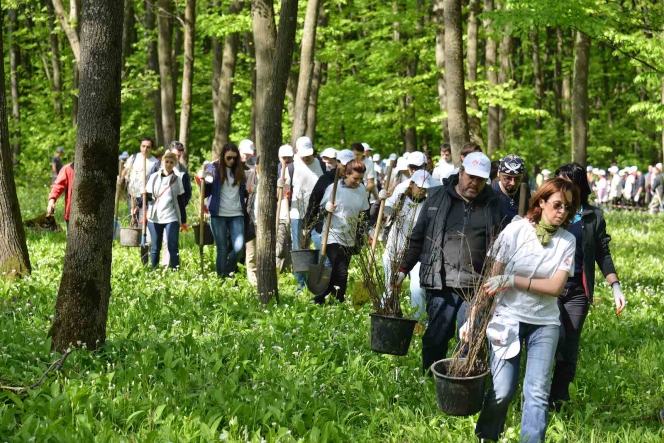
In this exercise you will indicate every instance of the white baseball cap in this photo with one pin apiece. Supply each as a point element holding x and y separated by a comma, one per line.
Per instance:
<point>304,147</point>
<point>589,168</point>
<point>405,155</point>
<point>477,164</point>
<point>286,151</point>
<point>329,153</point>
<point>367,147</point>
<point>633,169</point>
<point>621,172</point>
<point>614,169</point>
<point>402,165</point>
<point>376,157</point>
<point>417,158</point>
<point>345,156</point>
<point>421,178</point>
<point>503,333</point>
<point>596,171</point>
<point>246,147</point>
<point>601,172</point>
<point>546,172</point>
<point>393,156</point>
<point>659,166</point>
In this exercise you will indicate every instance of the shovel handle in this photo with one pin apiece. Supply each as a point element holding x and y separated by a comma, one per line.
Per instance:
<point>379,222</point>
<point>323,249</point>
<point>201,226</point>
<point>145,199</point>
<point>117,190</point>
<point>522,199</point>
<point>280,192</point>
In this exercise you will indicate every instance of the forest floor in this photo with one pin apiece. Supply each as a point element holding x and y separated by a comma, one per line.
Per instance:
<point>191,358</point>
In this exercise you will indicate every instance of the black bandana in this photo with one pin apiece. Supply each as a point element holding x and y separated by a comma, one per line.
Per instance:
<point>512,165</point>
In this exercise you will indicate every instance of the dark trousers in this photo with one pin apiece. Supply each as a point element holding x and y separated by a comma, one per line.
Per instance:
<point>573,304</point>
<point>157,237</point>
<point>339,256</point>
<point>444,308</point>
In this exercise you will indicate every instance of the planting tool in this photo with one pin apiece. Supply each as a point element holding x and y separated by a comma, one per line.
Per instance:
<point>280,192</point>
<point>523,204</point>
<point>145,252</point>
<point>116,223</point>
<point>319,274</point>
<point>201,227</point>
<point>360,294</point>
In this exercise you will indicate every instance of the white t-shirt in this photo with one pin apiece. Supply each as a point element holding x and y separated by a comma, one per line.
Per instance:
<point>629,184</point>
<point>164,208</point>
<point>616,186</point>
<point>229,201</point>
<point>306,177</point>
<point>525,256</point>
<point>135,166</point>
<point>399,189</point>
<point>350,202</point>
<point>442,170</point>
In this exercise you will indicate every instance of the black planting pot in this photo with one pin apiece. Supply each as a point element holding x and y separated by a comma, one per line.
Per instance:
<point>303,259</point>
<point>207,234</point>
<point>391,335</point>
<point>460,396</point>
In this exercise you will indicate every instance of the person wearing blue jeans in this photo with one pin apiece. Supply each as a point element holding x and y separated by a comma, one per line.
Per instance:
<point>157,235</point>
<point>221,228</point>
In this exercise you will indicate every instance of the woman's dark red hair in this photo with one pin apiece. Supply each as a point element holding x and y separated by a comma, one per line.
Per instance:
<point>548,188</point>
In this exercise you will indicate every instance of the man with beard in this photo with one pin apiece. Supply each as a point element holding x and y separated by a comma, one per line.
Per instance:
<point>510,176</point>
<point>450,240</point>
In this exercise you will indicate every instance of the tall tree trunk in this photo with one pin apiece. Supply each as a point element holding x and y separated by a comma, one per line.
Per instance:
<point>505,73</point>
<point>153,65</point>
<point>662,158</point>
<point>14,59</point>
<point>301,109</point>
<point>55,61</point>
<point>14,258</point>
<point>250,50</point>
<point>225,63</point>
<point>456,91</point>
<point>580,98</point>
<point>410,132</point>
<point>493,127</point>
<point>558,86</point>
<point>439,19</point>
<point>538,76</point>
<point>567,87</point>
<point>312,115</point>
<point>165,49</point>
<point>128,31</point>
<point>473,120</point>
<point>69,25</point>
<point>74,18</point>
<point>178,41</point>
<point>81,310</point>
<point>266,239</point>
<point>265,39</point>
<point>187,75</point>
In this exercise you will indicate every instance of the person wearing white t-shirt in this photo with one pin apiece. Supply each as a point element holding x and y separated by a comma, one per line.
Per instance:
<point>134,168</point>
<point>533,257</point>
<point>416,161</point>
<point>350,200</point>
<point>445,166</point>
<point>167,210</point>
<point>370,174</point>
<point>286,154</point>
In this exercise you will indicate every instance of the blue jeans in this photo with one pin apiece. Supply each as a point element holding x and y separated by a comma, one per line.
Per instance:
<point>157,237</point>
<point>296,231</point>
<point>540,344</point>
<point>443,307</point>
<point>221,228</point>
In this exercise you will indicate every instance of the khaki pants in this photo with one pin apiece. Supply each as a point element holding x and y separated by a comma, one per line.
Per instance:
<point>655,203</point>
<point>250,262</point>
<point>284,246</point>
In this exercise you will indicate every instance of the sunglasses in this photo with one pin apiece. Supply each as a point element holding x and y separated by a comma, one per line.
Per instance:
<point>557,206</point>
<point>233,158</point>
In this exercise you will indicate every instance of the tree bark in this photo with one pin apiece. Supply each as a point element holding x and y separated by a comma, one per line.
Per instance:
<point>505,73</point>
<point>580,98</point>
<point>14,258</point>
<point>74,18</point>
<point>128,31</point>
<point>250,50</point>
<point>538,76</point>
<point>81,310</point>
<point>265,39</point>
<point>474,122</point>
<point>69,28</point>
<point>14,59</point>
<point>266,239</point>
<point>165,50</point>
<point>301,111</point>
<point>312,115</point>
<point>187,75</point>
<point>55,62</point>
<point>178,41</point>
<point>558,86</point>
<point>662,121</point>
<point>454,84</point>
<point>439,19</point>
<point>153,65</point>
<point>493,127</point>
<point>224,66</point>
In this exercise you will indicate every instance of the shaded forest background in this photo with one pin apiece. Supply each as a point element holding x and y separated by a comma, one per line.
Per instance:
<point>377,76</point>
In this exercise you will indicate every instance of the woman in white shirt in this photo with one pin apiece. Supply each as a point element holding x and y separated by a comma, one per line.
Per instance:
<point>350,201</point>
<point>534,257</point>
<point>167,210</point>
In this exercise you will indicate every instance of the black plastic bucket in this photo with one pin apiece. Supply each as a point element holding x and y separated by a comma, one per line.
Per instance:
<point>391,335</point>
<point>207,234</point>
<point>303,259</point>
<point>458,396</point>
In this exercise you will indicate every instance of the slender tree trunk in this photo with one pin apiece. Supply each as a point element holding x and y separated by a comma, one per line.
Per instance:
<point>55,62</point>
<point>505,73</point>
<point>14,258</point>
<point>538,76</point>
<point>473,120</point>
<point>493,134</point>
<point>558,86</point>
<point>165,49</point>
<point>662,121</point>
<point>438,18</point>
<point>74,18</point>
<point>454,76</point>
<point>128,31</point>
<point>187,75</point>
<point>272,136</point>
<point>313,100</point>
<point>224,92</point>
<point>291,93</point>
<point>301,109</point>
<point>178,41</point>
<point>410,132</point>
<point>567,88</point>
<point>69,26</point>
<point>249,42</point>
<point>14,59</point>
<point>580,98</point>
<point>153,65</point>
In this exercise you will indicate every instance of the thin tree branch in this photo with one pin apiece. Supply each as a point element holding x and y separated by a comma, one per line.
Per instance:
<point>56,364</point>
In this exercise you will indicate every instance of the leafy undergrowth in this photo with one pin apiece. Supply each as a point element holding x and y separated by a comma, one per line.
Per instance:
<point>193,359</point>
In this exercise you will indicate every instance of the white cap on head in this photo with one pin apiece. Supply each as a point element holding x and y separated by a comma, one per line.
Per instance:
<point>659,166</point>
<point>613,169</point>
<point>286,151</point>
<point>589,169</point>
<point>345,156</point>
<point>421,178</point>
<point>376,157</point>
<point>393,156</point>
<point>546,172</point>
<point>504,337</point>
<point>633,169</point>
<point>304,147</point>
<point>329,153</point>
<point>477,164</point>
<point>595,171</point>
<point>601,172</point>
<point>417,158</point>
<point>402,165</point>
<point>246,147</point>
<point>405,155</point>
<point>367,147</point>
<point>621,172</point>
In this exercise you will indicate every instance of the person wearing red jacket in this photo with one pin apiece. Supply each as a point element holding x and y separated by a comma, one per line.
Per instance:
<point>64,183</point>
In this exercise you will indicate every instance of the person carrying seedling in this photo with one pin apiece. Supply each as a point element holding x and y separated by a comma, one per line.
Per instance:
<point>350,201</point>
<point>63,184</point>
<point>508,185</point>
<point>284,243</point>
<point>588,227</point>
<point>416,161</point>
<point>532,260</point>
<point>450,240</point>
<point>134,167</point>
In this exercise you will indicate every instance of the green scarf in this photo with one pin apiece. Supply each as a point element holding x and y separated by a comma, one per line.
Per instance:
<point>544,232</point>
